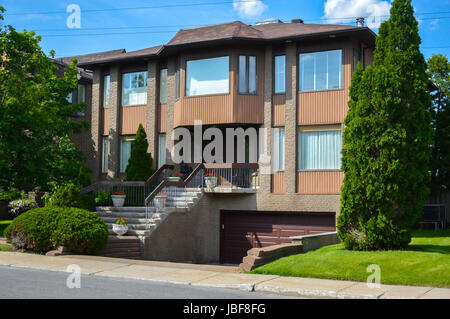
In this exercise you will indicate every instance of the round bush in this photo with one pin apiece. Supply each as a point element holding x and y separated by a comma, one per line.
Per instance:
<point>80,231</point>
<point>33,229</point>
<point>67,196</point>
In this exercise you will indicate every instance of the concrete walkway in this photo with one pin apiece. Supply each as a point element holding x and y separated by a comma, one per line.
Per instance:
<point>218,276</point>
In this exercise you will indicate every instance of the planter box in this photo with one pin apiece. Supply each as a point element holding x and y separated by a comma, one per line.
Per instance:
<point>160,202</point>
<point>211,182</point>
<point>119,229</point>
<point>118,200</point>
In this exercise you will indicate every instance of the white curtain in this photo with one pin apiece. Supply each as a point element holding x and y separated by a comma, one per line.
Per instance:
<point>134,90</point>
<point>321,70</point>
<point>280,74</point>
<point>278,149</point>
<point>125,150</point>
<point>162,150</point>
<point>319,150</point>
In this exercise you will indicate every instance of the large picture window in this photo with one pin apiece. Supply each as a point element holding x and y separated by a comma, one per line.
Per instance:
<point>134,88</point>
<point>208,76</point>
<point>280,74</point>
<point>321,70</point>
<point>319,149</point>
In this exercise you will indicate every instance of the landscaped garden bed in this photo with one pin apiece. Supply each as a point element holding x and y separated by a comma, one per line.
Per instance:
<point>426,262</point>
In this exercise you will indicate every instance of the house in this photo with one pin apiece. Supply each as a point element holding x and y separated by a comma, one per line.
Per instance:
<point>288,82</point>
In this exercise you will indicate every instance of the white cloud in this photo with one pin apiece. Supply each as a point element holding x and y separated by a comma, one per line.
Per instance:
<point>249,8</point>
<point>370,9</point>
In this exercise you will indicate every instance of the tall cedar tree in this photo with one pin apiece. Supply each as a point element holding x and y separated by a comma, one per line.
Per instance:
<point>439,74</point>
<point>139,166</point>
<point>387,140</point>
<point>35,117</point>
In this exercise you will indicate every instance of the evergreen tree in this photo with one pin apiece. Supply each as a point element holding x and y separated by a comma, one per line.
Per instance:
<point>139,166</point>
<point>387,140</point>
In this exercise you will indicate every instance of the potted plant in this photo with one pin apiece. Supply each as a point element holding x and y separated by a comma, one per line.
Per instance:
<point>120,227</point>
<point>210,180</point>
<point>118,199</point>
<point>174,177</point>
<point>160,200</point>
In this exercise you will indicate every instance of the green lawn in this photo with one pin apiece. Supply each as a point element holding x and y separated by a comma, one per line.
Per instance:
<point>425,263</point>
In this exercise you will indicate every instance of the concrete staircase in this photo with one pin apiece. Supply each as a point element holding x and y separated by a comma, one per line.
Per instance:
<point>178,199</point>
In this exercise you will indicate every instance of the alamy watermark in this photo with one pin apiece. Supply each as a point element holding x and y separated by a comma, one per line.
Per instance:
<point>74,279</point>
<point>374,279</point>
<point>74,19</point>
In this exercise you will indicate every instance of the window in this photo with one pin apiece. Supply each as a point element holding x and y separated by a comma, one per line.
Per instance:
<point>280,74</point>
<point>81,93</point>
<point>162,150</point>
<point>163,86</point>
<point>247,74</point>
<point>134,88</point>
<point>208,76</point>
<point>319,149</point>
<point>321,70</point>
<point>106,86</point>
<point>355,59</point>
<point>177,80</point>
<point>105,155</point>
<point>125,151</point>
<point>278,149</point>
<point>69,97</point>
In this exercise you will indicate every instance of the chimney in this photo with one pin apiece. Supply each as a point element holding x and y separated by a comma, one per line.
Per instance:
<point>296,21</point>
<point>360,22</point>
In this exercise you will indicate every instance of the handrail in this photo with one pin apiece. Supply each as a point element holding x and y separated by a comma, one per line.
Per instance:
<point>167,183</point>
<point>102,184</point>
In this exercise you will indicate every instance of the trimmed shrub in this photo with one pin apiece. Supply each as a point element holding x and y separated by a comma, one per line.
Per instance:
<point>80,231</point>
<point>103,198</point>
<point>3,225</point>
<point>33,229</point>
<point>139,167</point>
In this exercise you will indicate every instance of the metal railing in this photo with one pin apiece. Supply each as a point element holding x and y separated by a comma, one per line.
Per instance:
<point>136,192</point>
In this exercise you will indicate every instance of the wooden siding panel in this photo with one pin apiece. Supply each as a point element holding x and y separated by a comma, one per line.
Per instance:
<point>328,106</point>
<point>105,121</point>
<point>319,182</point>
<point>212,109</point>
<point>278,183</point>
<point>131,117</point>
<point>162,110</point>
<point>279,109</point>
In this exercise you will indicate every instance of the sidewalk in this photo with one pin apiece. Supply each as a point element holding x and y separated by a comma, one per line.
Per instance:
<point>218,276</point>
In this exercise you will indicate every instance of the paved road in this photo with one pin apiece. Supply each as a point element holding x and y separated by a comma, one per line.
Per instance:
<point>32,283</point>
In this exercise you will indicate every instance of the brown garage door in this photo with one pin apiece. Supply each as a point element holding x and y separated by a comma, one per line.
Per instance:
<point>243,230</point>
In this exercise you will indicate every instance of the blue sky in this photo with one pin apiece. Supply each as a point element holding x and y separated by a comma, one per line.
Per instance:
<point>146,27</point>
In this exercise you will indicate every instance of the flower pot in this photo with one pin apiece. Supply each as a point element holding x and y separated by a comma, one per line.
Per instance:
<point>118,200</point>
<point>119,229</point>
<point>160,202</point>
<point>211,181</point>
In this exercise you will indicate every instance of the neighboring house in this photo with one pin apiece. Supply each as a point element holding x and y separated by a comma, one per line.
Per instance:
<point>84,94</point>
<point>290,78</point>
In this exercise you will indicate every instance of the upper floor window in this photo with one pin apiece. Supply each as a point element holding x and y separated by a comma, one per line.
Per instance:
<point>319,149</point>
<point>163,86</point>
<point>106,86</point>
<point>280,74</point>
<point>162,150</point>
<point>355,59</point>
<point>177,80</point>
<point>134,88</point>
<point>321,70</point>
<point>81,93</point>
<point>208,76</point>
<point>247,74</point>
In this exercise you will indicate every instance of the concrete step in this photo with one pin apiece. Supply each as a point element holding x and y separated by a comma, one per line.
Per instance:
<point>133,232</point>
<point>137,226</point>
<point>124,209</point>
<point>112,220</point>
<point>122,246</point>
